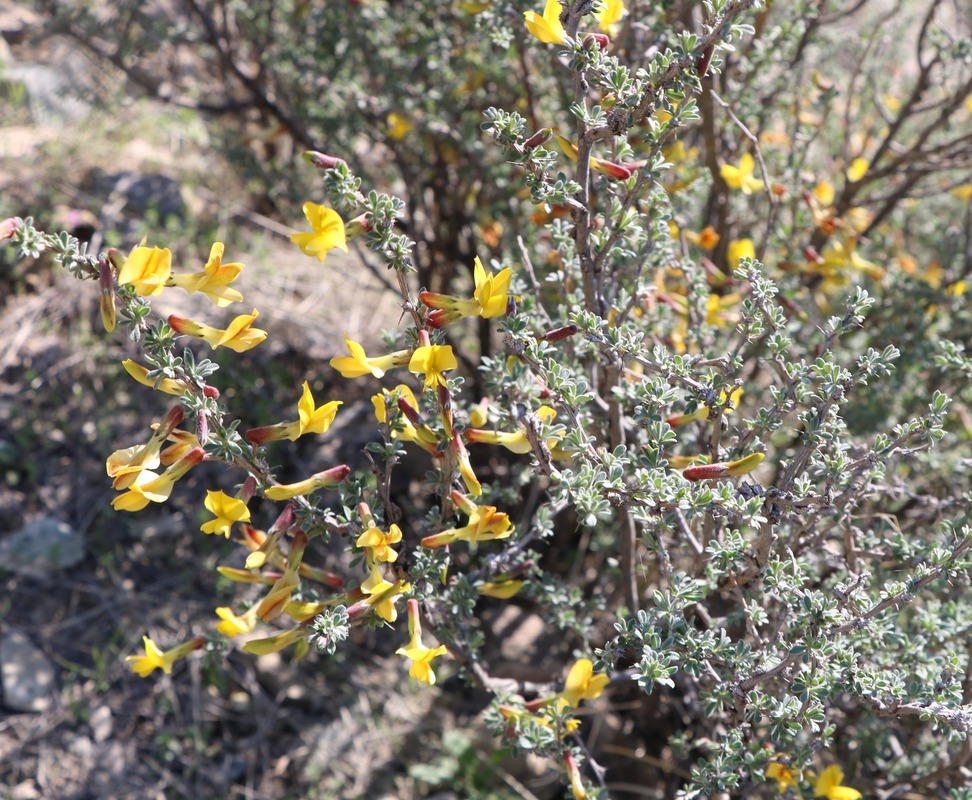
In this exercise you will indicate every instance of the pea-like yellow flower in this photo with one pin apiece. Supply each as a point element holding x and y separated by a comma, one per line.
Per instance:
<point>573,773</point>
<point>516,442</point>
<point>858,169</point>
<point>155,658</point>
<point>741,177</point>
<point>382,594</point>
<point>582,683</point>
<point>490,298</point>
<point>723,469</point>
<point>738,249</point>
<point>380,543</point>
<point>829,785</point>
<point>611,13</point>
<point>274,601</point>
<point>124,466</point>
<point>548,28</point>
<point>273,644</point>
<point>227,510</point>
<point>359,364</point>
<point>485,523</point>
<point>311,418</point>
<point>432,361</point>
<point>784,775</point>
<point>399,126</point>
<point>238,336</point>
<point>140,373</point>
<point>328,232</point>
<point>502,590</point>
<point>233,624</point>
<point>421,656</point>
<point>147,269</point>
<point>214,280</point>
<point>318,481</point>
<point>702,412</point>
<point>149,487</point>
<point>401,427</point>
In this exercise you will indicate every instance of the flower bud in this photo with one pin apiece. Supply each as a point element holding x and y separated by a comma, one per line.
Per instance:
<point>322,160</point>
<point>538,138</point>
<point>8,227</point>
<point>601,39</point>
<point>360,224</point>
<point>108,318</point>
<point>559,334</point>
<point>211,392</point>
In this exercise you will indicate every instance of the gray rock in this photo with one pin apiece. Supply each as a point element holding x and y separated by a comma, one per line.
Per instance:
<point>27,674</point>
<point>44,545</point>
<point>101,723</point>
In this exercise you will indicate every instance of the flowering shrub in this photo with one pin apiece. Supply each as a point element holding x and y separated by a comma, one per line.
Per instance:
<point>733,385</point>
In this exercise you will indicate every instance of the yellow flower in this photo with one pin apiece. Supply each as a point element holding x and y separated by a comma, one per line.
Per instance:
<point>227,510</point>
<point>421,656</point>
<point>740,248</point>
<point>318,481</point>
<point>147,269</point>
<point>233,625</point>
<point>514,442</point>
<point>489,299</point>
<point>214,280</point>
<point>124,466</point>
<point>151,488</point>
<point>702,412</point>
<point>314,418</point>
<point>502,590</point>
<point>274,601</point>
<point>399,126</point>
<point>239,336</point>
<point>485,523</point>
<point>155,658</point>
<point>328,232</point>
<point>382,594</point>
<point>380,543</point>
<point>785,776</point>
<point>857,169</point>
<point>140,373</point>
<point>824,192</point>
<point>547,28</point>
<point>311,419</point>
<point>261,647</point>
<point>582,683</point>
<point>610,14</point>
<point>829,785</point>
<point>432,360</point>
<point>359,364</point>
<point>741,177</point>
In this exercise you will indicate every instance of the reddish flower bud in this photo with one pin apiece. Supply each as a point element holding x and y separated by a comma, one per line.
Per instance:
<point>202,427</point>
<point>322,160</point>
<point>538,138</point>
<point>8,227</point>
<point>559,334</point>
<point>211,392</point>
<point>811,254</point>
<point>602,40</point>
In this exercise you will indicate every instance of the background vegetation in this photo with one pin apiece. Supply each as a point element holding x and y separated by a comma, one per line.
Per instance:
<point>813,612</point>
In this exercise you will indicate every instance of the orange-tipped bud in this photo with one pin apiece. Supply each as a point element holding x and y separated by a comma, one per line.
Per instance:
<point>725,469</point>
